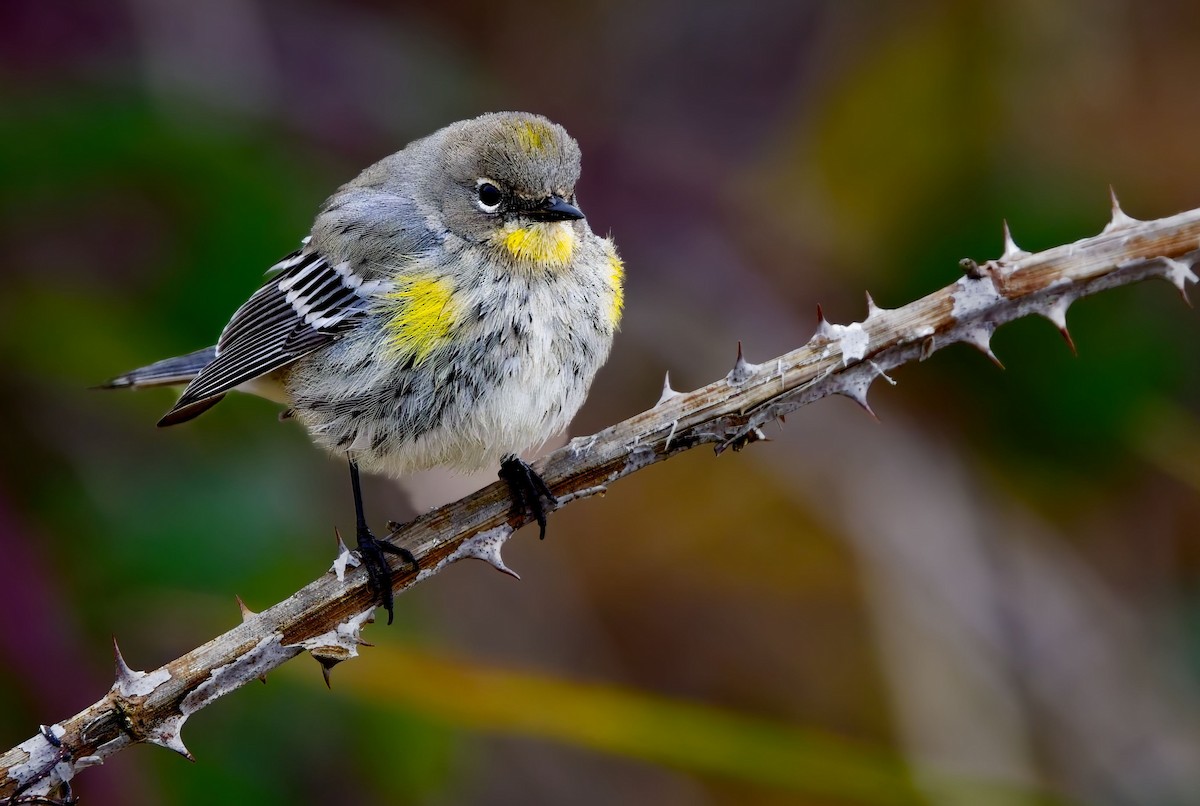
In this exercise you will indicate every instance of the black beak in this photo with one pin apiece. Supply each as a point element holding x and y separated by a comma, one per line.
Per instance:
<point>555,209</point>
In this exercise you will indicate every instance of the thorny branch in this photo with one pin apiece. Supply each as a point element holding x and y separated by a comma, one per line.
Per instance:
<point>326,617</point>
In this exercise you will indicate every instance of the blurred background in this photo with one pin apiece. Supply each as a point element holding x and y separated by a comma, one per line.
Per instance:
<point>990,596</point>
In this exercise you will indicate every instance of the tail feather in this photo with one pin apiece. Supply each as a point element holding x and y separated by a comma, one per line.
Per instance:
<point>168,372</point>
<point>176,371</point>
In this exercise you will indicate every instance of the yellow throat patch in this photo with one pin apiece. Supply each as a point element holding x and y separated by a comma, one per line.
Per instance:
<point>543,245</point>
<point>424,313</point>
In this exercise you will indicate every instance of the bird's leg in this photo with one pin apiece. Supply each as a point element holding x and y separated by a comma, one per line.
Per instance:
<point>371,550</point>
<point>528,489</point>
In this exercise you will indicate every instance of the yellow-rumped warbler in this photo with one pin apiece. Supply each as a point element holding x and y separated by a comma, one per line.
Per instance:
<point>449,307</point>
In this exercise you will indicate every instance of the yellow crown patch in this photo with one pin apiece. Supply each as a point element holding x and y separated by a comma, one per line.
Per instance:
<point>533,136</point>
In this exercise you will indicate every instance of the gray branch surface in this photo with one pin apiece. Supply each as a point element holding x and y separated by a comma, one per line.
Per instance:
<point>326,617</point>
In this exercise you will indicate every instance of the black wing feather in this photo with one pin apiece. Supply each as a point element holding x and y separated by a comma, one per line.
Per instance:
<point>300,309</point>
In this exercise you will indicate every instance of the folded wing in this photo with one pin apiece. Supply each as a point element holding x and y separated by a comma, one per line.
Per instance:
<point>302,308</point>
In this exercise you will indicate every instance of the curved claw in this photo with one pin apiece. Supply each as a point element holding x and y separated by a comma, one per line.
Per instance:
<point>529,491</point>
<point>379,574</point>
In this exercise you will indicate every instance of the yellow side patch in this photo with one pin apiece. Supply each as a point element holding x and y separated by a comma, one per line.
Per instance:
<point>543,245</point>
<point>532,136</point>
<point>616,281</point>
<point>423,315</point>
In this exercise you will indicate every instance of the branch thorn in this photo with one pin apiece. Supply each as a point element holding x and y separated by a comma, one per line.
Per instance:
<point>872,308</point>
<point>247,613</point>
<point>486,546</point>
<point>168,735</point>
<point>1179,274</point>
<point>667,391</point>
<point>126,677</point>
<point>823,327</point>
<point>742,369</point>
<point>344,557</point>
<point>1011,250</point>
<point>980,338</point>
<point>1057,314</point>
<point>856,388</point>
<point>862,401</point>
<point>1118,220</point>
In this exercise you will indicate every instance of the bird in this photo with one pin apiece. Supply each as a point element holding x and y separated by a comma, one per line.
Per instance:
<point>449,307</point>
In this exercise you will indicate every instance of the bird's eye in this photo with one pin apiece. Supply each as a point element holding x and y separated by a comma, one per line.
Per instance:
<point>489,196</point>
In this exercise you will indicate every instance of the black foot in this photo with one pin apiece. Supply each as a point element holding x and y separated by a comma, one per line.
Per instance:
<point>529,492</point>
<point>379,576</point>
<point>372,549</point>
